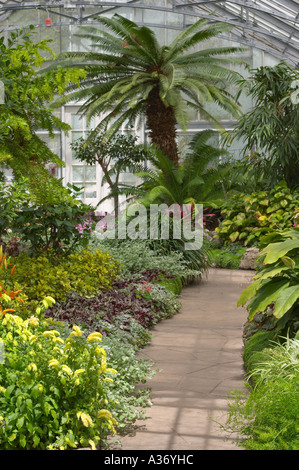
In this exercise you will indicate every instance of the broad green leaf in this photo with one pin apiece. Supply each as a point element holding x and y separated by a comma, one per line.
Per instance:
<point>270,272</point>
<point>286,300</point>
<point>267,294</point>
<point>274,251</point>
<point>248,293</point>
<point>22,440</point>
<point>289,262</point>
<point>36,440</point>
<point>20,422</point>
<point>233,236</point>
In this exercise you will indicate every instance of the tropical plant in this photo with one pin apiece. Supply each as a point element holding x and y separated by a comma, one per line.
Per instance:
<point>61,227</point>
<point>12,197</point>
<point>129,75</point>
<point>196,181</point>
<point>270,128</point>
<point>277,282</point>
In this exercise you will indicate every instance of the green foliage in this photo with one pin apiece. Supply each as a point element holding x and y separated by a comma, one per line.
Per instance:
<point>12,198</point>
<point>277,282</point>
<point>266,418</point>
<point>117,155</point>
<point>256,344</point>
<point>25,109</point>
<point>136,256</point>
<point>247,217</point>
<point>272,125</point>
<point>53,391</point>
<point>196,181</point>
<point>53,227</point>
<point>83,272</point>
<point>226,257</point>
<point>52,219</point>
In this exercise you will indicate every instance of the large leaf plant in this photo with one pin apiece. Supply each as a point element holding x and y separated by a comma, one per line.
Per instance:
<point>277,282</point>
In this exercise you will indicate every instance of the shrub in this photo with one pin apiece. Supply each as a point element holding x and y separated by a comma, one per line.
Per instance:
<point>53,391</point>
<point>143,255</point>
<point>84,272</point>
<point>59,227</point>
<point>247,217</point>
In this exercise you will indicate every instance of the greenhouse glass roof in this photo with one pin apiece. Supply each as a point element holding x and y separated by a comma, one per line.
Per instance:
<point>270,25</point>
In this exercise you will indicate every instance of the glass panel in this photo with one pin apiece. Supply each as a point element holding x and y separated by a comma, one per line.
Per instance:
<point>90,125</point>
<point>78,173</point>
<point>76,121</point>
<point>153,16</point>
<point>90,191</point>
<point>76,136</point>
<point>128,178</point>
<point>90,173</point>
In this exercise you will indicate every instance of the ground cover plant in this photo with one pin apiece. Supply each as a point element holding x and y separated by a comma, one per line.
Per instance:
<point>226,256</point>
<point>132,305</point>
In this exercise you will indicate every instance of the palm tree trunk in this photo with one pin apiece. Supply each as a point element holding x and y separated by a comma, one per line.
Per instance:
<point>162,126</point>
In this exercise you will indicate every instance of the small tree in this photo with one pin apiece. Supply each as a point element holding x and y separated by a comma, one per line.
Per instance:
<point>118,154</point>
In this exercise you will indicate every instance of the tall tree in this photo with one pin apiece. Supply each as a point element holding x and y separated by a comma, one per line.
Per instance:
<point>129,74</point>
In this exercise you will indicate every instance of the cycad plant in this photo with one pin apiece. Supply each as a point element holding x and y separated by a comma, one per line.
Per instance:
<point>130,75</point>
<point>197,181</point>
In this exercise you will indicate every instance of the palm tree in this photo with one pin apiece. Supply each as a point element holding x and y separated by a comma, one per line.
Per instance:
<point>129,75</point>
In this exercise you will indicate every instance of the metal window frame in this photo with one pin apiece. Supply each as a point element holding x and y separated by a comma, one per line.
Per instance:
<point>270,26</point>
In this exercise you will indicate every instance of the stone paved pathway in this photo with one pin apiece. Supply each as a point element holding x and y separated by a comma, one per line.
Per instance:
<point>199,355</point>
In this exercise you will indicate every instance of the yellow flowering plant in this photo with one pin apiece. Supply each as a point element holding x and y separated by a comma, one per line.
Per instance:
<point>53,386</point>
